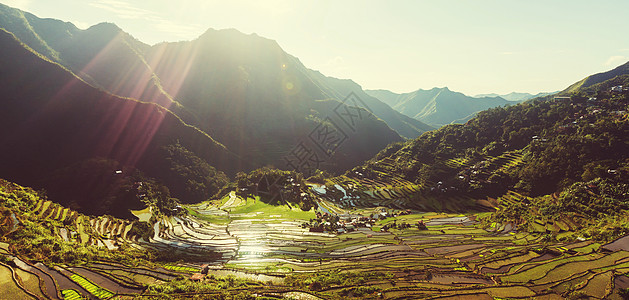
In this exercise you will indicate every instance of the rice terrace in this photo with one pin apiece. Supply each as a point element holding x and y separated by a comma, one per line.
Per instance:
<point>173,160</point>
<point>241,245</point>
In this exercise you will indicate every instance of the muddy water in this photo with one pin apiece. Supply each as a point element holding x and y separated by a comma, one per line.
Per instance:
<point>14,222</point>
<point>621,282</point>
<point>501,270</point>
<point>51,289</point>
<point>62,281</point>
<point>105,282</point>
<point>163,275</point>
<point>460,279</point>
<point>619,244</point>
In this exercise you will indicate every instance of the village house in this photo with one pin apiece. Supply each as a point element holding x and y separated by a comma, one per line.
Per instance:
<point>197,277</point>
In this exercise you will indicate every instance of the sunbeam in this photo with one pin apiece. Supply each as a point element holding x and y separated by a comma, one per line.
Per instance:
<point>175,68</point>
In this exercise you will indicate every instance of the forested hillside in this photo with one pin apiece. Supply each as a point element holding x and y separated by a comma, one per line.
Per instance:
<point>566,155</point>
<point>94,135</point>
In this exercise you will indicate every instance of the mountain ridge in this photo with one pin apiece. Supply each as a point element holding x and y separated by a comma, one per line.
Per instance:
<point>516,96</point>
<point>107,57</point>
<point>596,78</point>
<point>88,124</point>
<point>437,106</point>
<point>406,126</point>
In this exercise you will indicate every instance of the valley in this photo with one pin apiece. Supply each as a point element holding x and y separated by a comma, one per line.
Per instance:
<point>222,167</point>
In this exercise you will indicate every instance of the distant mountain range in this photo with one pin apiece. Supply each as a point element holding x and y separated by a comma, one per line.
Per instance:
<point>406,126</point>
<point>437,106</point>
<point>514,96</point>
<point>441,106</point>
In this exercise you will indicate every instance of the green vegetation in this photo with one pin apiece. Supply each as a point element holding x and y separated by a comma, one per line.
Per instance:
<point>71,295</point>
<point>520,201</point>
<point>556,136</point>
<point>210,284</point>
<point>325,280</point>
<point>95,290</point>
<point>181,268</point>
<point>596,209</point>
<point>276,187</point>
<point>362,264</point>
<point>263,210</point>
<point>189,177</point>
<point>547,165</point>
<point>33,238</point>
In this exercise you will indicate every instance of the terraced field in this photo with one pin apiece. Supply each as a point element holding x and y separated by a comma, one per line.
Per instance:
<point>452,257</point>
<point>268,247</point>
<point>389,190</point>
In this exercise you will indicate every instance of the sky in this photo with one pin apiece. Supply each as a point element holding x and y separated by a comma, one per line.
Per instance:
<point>473,47</point>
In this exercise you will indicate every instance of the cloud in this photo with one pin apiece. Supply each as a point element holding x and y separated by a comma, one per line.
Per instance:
<point>615,60</point>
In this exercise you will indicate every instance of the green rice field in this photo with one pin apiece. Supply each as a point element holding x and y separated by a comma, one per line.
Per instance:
<point>269,251</point>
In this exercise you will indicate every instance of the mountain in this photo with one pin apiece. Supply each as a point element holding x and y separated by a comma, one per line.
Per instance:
<point>341,88</point>
<point>62,134</point>
<point>181,114</point>
<point>230,85</point>
<point>515,96</point>
<point>596,78</point>
<point>437,106</point>
<point>539,146</point>
<point>262,104</point>
<point>97,55</point>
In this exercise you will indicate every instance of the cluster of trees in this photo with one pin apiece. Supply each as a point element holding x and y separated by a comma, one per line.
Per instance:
<point>323,280</point>
<point>188,177</point>
<point>214,287</point>
<point>564,159</point>
<point>100,186</point>
<point>157,195</point>
<point>276,187</point>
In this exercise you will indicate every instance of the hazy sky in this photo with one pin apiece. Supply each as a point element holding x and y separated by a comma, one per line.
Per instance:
<point>480,46</point>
